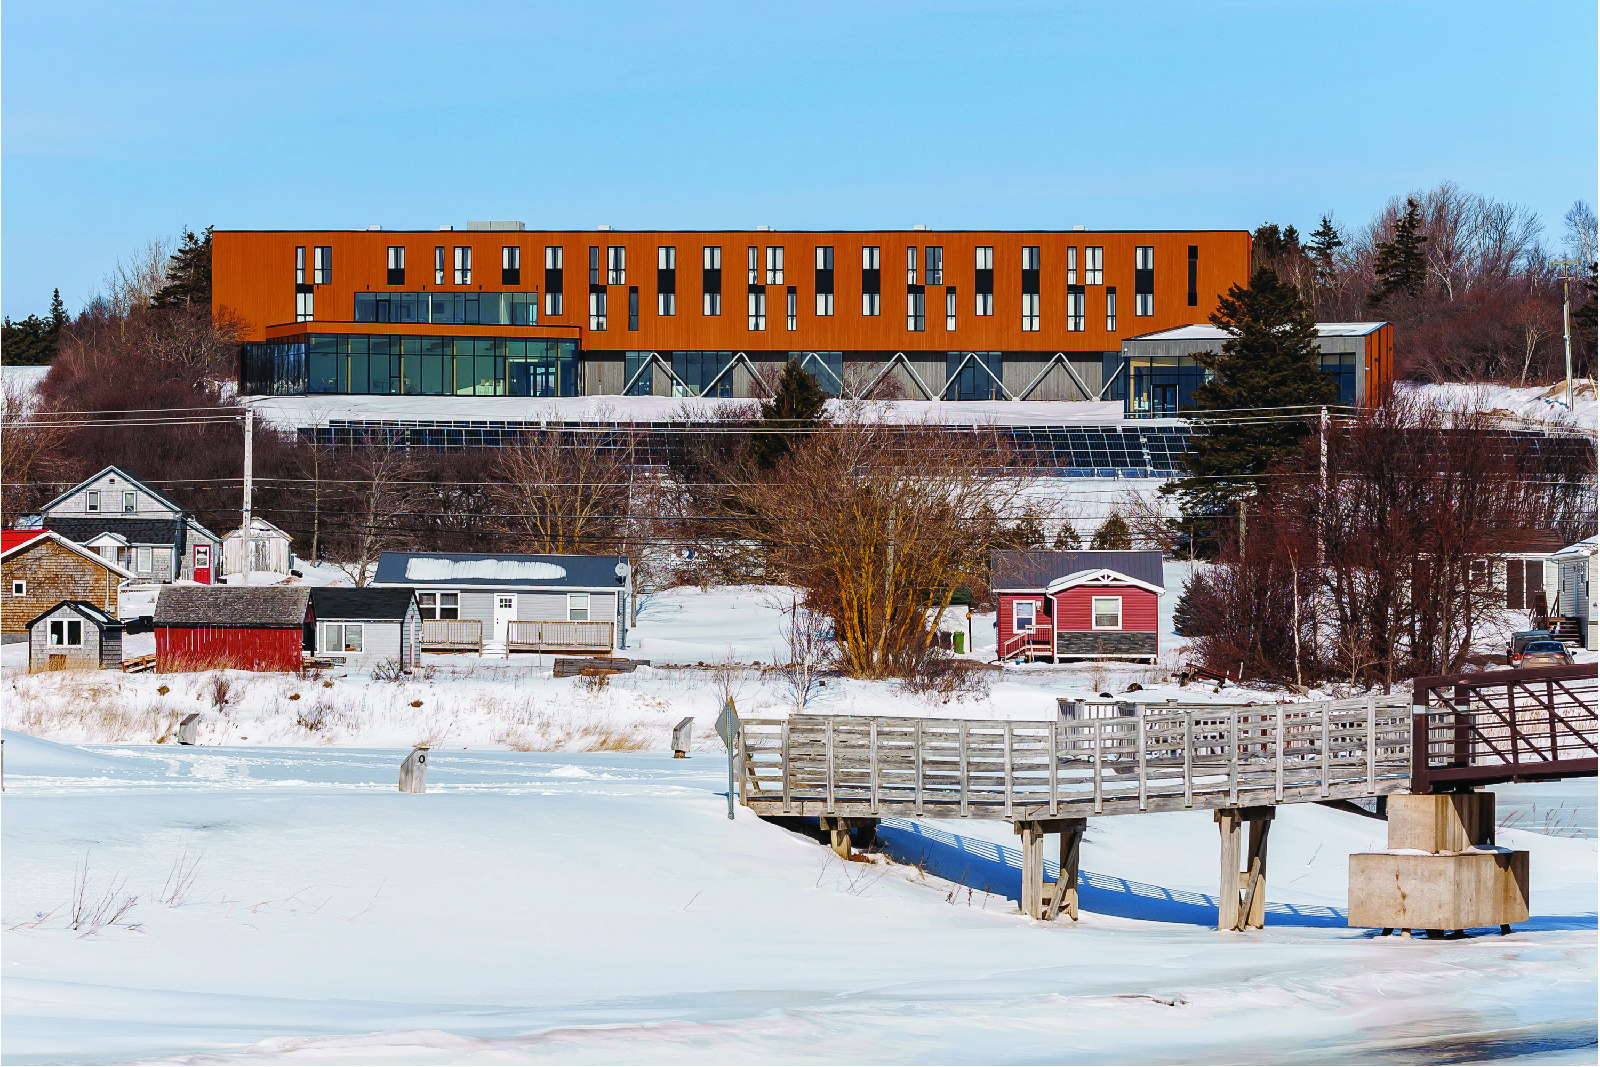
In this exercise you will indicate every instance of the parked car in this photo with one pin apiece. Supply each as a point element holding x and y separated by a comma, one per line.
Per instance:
<point>1542,654</point>
<point>1520,639</point>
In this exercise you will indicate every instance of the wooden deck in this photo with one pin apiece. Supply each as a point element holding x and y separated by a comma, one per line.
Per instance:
<point>1163,758</point>
<point>560,637</point>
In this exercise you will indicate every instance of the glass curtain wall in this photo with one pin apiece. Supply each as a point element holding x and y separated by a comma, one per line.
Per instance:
<point>416,366</point>
<point>450,309</point>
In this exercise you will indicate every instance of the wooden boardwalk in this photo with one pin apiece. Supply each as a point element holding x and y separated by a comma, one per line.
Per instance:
<point>1161,758</point>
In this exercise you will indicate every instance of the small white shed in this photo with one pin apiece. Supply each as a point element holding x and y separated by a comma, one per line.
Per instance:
<point>75,635</point>
<point>265,549</point>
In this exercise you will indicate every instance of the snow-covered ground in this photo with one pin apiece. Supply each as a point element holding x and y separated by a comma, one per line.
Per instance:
<point>1534,405</point>
<point>602,908</point>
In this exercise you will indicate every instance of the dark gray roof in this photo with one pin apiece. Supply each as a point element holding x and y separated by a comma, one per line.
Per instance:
<point>361,603</point>
<point>270,607</point>
<point>137,531</point>
<point>1037,568</point>
<point>579,572</point>
<point>87,610</point>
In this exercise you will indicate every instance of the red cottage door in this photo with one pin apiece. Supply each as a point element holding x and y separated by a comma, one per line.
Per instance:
<point>202,564</point>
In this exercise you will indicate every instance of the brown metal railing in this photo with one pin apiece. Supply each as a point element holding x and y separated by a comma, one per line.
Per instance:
<point>559,636</point>
<point>1503,726</point>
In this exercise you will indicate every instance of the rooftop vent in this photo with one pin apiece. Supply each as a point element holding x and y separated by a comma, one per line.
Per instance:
<point>919,226</point>
<point>603,226</point>
<point>374,227</point>
<point>1077,227</point>
<point>446,227</point>
<point>496,226</point>
<point>763,229</point>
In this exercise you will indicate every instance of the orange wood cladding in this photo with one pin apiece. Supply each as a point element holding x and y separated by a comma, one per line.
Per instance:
<point>253,277</point>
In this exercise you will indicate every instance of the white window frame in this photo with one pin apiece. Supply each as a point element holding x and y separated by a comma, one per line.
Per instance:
<point>1094,612</point>
<point>92,501</point>
<point>1030,312</point>
<point>463,274</point>
<point>130,503</point>
<point>616,265</point>
<point>1017,607</point>
<point>774,264</point>
<point>19,587</point>
<point>144,557</point>
<point>758,310</point>
<point>61,632</point>
<point>911,265</point>
<point>338,647</point>
<point>1093,264</point>
<point>1075,305</point>
<point>579,602</point>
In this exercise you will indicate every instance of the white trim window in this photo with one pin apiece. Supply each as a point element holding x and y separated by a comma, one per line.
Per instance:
<point>1093,264</point>
<point>130,503</point>
<point>774,264</point>
<point>93,501</point>
<point>437,605</point>
<point>463,273</point>
<point>66,633</point>
<point>1024,615</point>
<point>145,556</point>
<point>1105,612</point>
<point>341,637</point>
<point>1072,265</point>
<point>19,587</point>
<point>577,607</point>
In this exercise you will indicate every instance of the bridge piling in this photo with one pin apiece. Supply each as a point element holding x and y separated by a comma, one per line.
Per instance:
<point>1234,912</point>
<point>1042,899</point>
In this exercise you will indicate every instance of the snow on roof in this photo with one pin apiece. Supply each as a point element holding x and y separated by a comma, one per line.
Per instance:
<point>432,569</point>
<point>1203,331</point>
<point>1587,547</point>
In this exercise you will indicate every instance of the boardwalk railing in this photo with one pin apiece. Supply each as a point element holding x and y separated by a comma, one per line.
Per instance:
<point>1168,758</point>
<point>559,636</point>
<point>452,634</point>
<point>1503,726</point>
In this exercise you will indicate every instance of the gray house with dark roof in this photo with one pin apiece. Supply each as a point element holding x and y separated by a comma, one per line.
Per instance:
<point>500,603</point>
<point>367,626</point>
<point>130,524</point>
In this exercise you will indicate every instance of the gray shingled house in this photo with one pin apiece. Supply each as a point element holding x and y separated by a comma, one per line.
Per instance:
<point>75,635</point>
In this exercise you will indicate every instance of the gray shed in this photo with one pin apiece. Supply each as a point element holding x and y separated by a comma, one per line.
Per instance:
<point>75,635</point>
<point>368,626</point>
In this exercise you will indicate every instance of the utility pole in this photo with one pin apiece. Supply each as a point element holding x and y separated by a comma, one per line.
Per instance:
<point>1566,266</point>
<point>249,477</point>
<point>1322,450</point>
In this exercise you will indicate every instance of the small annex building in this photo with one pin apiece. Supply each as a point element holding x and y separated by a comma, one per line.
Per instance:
<point>247,628</point>
<point>264,549</point>
<point>367,626</point>
<point>1060,605</point>
<point>75,635</point>
<point>41,568</point>
<point>1575,610</point>
<point>499,603</point>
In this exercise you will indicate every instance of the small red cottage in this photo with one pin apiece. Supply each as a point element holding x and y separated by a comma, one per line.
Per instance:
<point>247,628</point>
<point>1077,605</point>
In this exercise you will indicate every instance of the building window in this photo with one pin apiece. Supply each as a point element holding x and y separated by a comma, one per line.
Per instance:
<point>305,305</point>
<point>1144,280</point>
<point>758,309</point>
<point>1093,261</point>
<point>554,281</point>
<point>1107,612</point>
<point>935,264</point>
<point>66,633</point>
<point>397,265</point>
<point>1023,615</point>
<point>666,280</point>
<point>463,273</point>
<point>911,265</point>
<point>633,307</point>
<point>94,501</point>
<point>143,559</point>
<point>510,265</point>
<point>577,607</point>
<point>300,265</point>
<point>19,587</point>
<point>983,281</point>
<point>1075,302</point>
<point>824,280</point>
<point>323,265</point>
<point>130,503</point>
<point>1072,266</point>
<point>950,308</point>
<point>1030,288</point>
<point>1030,312</point>
<point>774,264</point>
<point>597,309</point>
<point>792,308</point>
<point>871,280</point>
<point>594,265</point>
<point>711,280</point>
<point>438,264</point>
<point>341,637</point>
<point>439,605</point>
<point>916,311</point>
<point>637,374</point>
<point>1030,257</point>
<point>1194,273</point>
<point>754,267</point>
<point>1111,309</point>
<point>616,265</point>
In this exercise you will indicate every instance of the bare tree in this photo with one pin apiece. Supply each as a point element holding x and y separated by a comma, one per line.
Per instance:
<point>375,495</point>
<point>807,633</point>
<point>566,490</point>
<point>30,454</point>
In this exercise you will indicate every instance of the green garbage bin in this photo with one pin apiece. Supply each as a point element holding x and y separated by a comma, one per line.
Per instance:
<point>958,642</point>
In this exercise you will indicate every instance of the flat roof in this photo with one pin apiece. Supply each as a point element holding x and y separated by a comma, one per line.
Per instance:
<point>1204,331</point>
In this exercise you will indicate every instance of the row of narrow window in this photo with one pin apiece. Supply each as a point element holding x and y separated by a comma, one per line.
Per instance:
<point>769,270</point>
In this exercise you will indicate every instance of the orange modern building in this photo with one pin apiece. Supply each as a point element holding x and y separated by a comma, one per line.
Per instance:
<point>498,310</point>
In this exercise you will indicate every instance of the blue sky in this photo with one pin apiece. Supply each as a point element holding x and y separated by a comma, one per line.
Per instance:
<point>122,122</point>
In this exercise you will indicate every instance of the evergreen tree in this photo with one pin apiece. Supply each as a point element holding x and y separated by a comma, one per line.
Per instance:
<point>28,342</point>
<point>1399,263</point>
<point>58,314</point>
<point>1067,539</point>
<point>1028,532</point>
<point>1324,249</point>
<point>188,274</point>
<point>1269,244</point>
<point>798,404</point>
<point>1270,361</point>
<point>1113,535</point>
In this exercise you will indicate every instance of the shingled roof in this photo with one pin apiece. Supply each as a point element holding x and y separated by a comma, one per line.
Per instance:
<point>340,603</point>
<point>1032,569</point>
<point>238,607</point>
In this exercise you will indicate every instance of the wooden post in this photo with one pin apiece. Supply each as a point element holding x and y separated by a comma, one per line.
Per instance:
<point>1372,744</point>
<point>1032,869</point>
<point>1254,912</point>
<point>1188,759</point>
<point>1279,760</point>
<point>1327,749</point>
<point>829,742</point>
<point>1138,709</point>
<point>1065,896</point>
<point>681,735</point>
<point>838,834</point>
<point>414,772</point>
<point>785,761</point>
<point>1228,886</point>
<point>963,754</point>
<point>917,740</point>
<point>1233,756</point>
<point>188,729</point>
<point>1098,805</point>
<point>1055,755</point>
<point>872,763</point>
<point>1008,771</point>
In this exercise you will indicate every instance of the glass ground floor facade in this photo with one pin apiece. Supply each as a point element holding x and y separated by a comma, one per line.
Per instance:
<point>1163,386</point>
<point>374,364</point>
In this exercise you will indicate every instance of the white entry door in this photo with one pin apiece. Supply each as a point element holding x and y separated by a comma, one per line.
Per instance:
<point>505,611</point>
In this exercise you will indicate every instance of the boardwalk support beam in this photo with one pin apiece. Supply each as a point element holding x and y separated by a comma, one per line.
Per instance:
<point>1242,895</point>
<point>838,829</point>
<point>1042,899</point>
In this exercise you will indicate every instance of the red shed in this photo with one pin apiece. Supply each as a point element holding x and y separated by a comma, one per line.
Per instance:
<point>248,628</point>
<point>1077,605</point>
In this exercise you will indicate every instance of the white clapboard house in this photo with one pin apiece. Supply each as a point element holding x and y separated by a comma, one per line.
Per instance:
<point>501,603</point>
